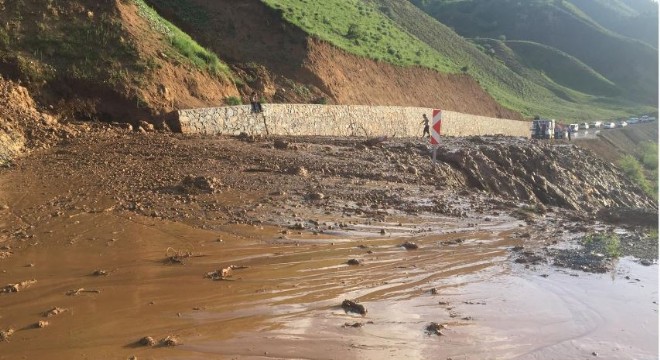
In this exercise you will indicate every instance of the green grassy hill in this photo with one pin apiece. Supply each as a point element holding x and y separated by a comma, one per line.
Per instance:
<point>562,68</point>
<point>630,64</point>
<point>637,19</point>
<point>511,83</point>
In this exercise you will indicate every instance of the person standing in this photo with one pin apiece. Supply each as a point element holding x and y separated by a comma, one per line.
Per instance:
<point>254,101</point>
<point>425,121</point>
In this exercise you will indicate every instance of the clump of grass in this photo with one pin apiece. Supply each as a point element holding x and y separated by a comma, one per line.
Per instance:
<point>607,244</point>
<point>635,171</point>
<point>233,101</point>
<point>184,44</point>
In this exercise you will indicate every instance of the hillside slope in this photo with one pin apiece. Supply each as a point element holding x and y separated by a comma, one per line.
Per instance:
<point>630,64</point>
<point>252,35</point>
<point>637,19</point>
<point>111,60</point>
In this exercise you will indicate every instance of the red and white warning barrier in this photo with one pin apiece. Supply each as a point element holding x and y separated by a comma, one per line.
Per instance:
<point>436,127</point>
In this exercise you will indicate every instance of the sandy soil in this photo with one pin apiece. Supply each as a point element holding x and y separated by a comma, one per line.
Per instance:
<point>247,247</point>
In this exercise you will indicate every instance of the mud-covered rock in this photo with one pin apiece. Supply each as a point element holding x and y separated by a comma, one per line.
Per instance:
<point>352,306</point>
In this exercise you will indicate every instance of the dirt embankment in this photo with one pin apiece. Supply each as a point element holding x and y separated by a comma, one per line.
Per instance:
<point>91,60</point>
<point>287,65</point>
<point>22,125</point>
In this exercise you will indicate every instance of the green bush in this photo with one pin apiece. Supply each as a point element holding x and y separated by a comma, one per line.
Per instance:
<point>608,244</point>
<point>233,101</point>
<point>649,156</point>
<point>634,170</point>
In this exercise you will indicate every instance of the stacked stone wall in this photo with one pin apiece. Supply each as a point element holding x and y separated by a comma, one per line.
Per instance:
<point>338,120</point>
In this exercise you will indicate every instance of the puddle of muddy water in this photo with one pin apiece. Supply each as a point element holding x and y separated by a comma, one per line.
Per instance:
<point>285,304</point>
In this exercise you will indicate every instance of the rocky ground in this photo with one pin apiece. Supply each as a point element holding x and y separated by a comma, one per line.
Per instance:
<point>308,183</point>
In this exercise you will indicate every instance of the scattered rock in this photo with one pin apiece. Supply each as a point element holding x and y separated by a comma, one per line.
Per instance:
<point>14,288</point>
<point>434,291</point>
<point>408,245</point>
<point>354,325</point>
<point>177,257</point>
<point>352,306</point>
<point>81,291</point>
<point>281,144</point>
<point>434,329</point>
<point>100,273</point>
<point>354,262</point>
<point>6,334</point>
<point>40,324</point>
<point>5,254</point>
<point>224,273</point>
<point>53,312</point>
<point>199,184</point>
<point>170,341</point>
<point>315,196</point>
<point>298,170</point>
<point>147,341</point>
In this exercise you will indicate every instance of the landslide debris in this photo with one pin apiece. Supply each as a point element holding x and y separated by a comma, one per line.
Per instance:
<point>541,172</point>
<point>479,176</point>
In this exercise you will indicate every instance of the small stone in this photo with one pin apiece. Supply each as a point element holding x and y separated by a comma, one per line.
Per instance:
<point>353,262</point>
<point>170,341</point>
<point>147,341</point>
<point>410,245</point>
<point>315,196</point>
<point>281,144</point>
<point>53,312</point>
<point>41,324</point>
<point>352,306</point>
<point>100,273</point>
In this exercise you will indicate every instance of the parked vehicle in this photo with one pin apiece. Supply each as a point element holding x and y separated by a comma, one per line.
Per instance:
<point>622,124</point>
<point>596,124</point>
<point>609,125</point>
<point>543,128</point>
<point>634,120</point>
<point>584,126</point>
<point>573,127</point>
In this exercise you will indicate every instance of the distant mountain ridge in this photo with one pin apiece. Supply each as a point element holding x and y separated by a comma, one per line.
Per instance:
<point>596,32</point>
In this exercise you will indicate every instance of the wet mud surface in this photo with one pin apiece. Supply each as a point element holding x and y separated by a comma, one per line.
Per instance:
<point>168,247</point>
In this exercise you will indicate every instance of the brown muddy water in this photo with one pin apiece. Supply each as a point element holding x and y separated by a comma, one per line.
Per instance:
<point>286,302</point>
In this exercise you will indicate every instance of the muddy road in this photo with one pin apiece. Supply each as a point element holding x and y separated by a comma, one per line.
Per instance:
<point>116,245</point>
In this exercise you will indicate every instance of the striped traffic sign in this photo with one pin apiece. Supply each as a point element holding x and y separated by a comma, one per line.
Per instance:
<point>437,126</point>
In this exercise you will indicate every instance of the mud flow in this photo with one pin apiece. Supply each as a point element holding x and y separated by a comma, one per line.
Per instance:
<point>217,248</point>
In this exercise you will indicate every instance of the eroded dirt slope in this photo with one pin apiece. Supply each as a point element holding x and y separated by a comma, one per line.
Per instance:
<point>102,60</point>
<point>286,64</point>
<point>22,125</point>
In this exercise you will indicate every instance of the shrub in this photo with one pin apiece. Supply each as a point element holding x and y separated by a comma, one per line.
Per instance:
<point>233,101</point>
<point>609,244</point>
<point>649,155</point>
<point>354,32</point>
<point>633,169</point>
